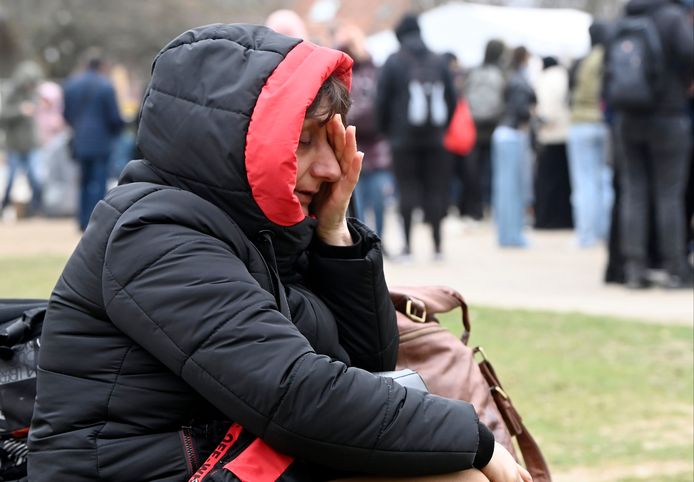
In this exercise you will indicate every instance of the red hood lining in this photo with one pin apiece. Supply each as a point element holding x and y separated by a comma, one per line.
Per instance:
<point>275,126</point>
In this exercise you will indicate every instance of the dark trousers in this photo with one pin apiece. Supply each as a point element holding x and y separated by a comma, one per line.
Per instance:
<point>553,188</point>
<point>94,172</point>
<point>469,200</point>
<point>656,164</point>
<point>423,175</point>
<point>481,160</point>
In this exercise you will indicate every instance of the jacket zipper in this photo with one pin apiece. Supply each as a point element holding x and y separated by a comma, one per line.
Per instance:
<point>191,456</point>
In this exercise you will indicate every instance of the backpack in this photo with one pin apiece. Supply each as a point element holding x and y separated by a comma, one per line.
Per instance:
<point>427,110</point>
<point>20,328</point>
<point>635,65</point>
<point>484,91</point>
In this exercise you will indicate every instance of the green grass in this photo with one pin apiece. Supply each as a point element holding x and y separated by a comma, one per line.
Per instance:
<point>597,392</point>
<point>29,276</point>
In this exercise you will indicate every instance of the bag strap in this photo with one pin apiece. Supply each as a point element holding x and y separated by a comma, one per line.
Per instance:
<point>422,303</point>
<point>532,455</point>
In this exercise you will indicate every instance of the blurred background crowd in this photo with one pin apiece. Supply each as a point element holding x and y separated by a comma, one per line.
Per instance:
<point>527,126</point>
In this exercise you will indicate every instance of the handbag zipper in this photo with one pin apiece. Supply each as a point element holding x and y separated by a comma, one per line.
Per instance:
<point>411,335</point>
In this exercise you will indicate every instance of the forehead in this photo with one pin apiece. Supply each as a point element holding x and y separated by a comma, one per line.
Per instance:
<point>316,121</point>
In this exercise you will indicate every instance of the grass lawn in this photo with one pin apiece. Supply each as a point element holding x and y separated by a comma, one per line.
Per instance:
<point>595,391</point>
<point>29,277</point>
<point>600,394</point>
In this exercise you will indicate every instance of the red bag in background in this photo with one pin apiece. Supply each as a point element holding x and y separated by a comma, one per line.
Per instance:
<point>461,135</point>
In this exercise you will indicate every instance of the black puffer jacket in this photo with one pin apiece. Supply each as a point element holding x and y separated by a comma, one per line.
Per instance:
<point>167,318</point>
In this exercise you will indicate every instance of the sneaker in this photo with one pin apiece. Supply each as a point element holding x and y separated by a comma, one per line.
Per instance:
<point>438,257</point>
<point>635,277</point>
<point>676,282</point>
<point>636,283</point>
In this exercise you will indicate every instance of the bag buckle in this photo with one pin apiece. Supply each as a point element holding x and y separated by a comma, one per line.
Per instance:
<point>420,318</point>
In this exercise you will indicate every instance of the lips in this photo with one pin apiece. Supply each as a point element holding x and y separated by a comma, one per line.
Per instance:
<point>305,198</point>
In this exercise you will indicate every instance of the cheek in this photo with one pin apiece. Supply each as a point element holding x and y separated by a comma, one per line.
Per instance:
<point>303,163</point>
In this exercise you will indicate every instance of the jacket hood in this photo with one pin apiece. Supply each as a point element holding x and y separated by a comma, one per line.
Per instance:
<point>408,24</point>
<point>413,43</point>
<point>638,7</point>
<point>222,116</point>
<point>599,32</point>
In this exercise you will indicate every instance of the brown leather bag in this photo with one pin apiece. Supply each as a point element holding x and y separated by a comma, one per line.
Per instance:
<point>450,368</point>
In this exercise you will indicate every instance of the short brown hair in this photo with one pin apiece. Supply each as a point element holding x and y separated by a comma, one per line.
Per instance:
<point>332,98</point>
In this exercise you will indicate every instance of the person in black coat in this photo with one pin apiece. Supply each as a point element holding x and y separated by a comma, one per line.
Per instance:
<point>656,146</point>
<point>421,165</point>
<point>220,282</point>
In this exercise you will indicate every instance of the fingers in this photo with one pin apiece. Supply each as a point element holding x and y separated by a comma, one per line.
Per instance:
<point>525,475</point>
<point>343,141</point>
<point>336,137</point>
<point>350,150</point>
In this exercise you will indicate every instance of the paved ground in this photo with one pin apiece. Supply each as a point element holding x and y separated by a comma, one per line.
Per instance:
<point>551,275</point>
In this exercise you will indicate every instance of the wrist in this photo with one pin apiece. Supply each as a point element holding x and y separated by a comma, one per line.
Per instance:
<point>338,235</point>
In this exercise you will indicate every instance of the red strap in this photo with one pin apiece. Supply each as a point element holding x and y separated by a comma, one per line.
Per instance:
<point>259,463</point>
<point>229,439</point>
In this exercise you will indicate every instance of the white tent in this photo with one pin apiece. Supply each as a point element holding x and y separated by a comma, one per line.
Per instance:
<point>464,29</point>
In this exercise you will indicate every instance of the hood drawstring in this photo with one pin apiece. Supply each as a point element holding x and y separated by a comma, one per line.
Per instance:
<point>267,252</point>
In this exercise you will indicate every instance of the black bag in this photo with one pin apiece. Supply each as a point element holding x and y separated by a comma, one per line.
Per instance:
<point>20,328</point>
<point>635,65</point>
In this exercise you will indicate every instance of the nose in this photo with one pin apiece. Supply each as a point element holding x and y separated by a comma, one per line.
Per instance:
<point>326,167</point>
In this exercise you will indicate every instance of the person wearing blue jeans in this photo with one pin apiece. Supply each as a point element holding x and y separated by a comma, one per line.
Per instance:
<point>372,191</point>
<point>92,112</point>
<point>592,194</point>
<point>26,161</point>
<point>511,181</point>
<point>92,185</point>
<point>17,122</point>
<point>510,163</point>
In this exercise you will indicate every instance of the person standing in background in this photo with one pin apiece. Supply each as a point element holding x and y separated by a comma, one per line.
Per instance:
<point>484,91</point>
<point>552,187</point>
<point>415,103</point>
<point>48,117</point>
<point>287,22</point>
<point>511,164</point>
<point>654,128</point>
<point>465,186</point>
<point>17,120</point>
<point>375,181</point>
<point>92,112</point>
<point>591,175</point>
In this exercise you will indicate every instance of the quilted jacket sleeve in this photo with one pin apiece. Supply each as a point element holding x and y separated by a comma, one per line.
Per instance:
<point>188,299</point>
<point>350,281</point>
